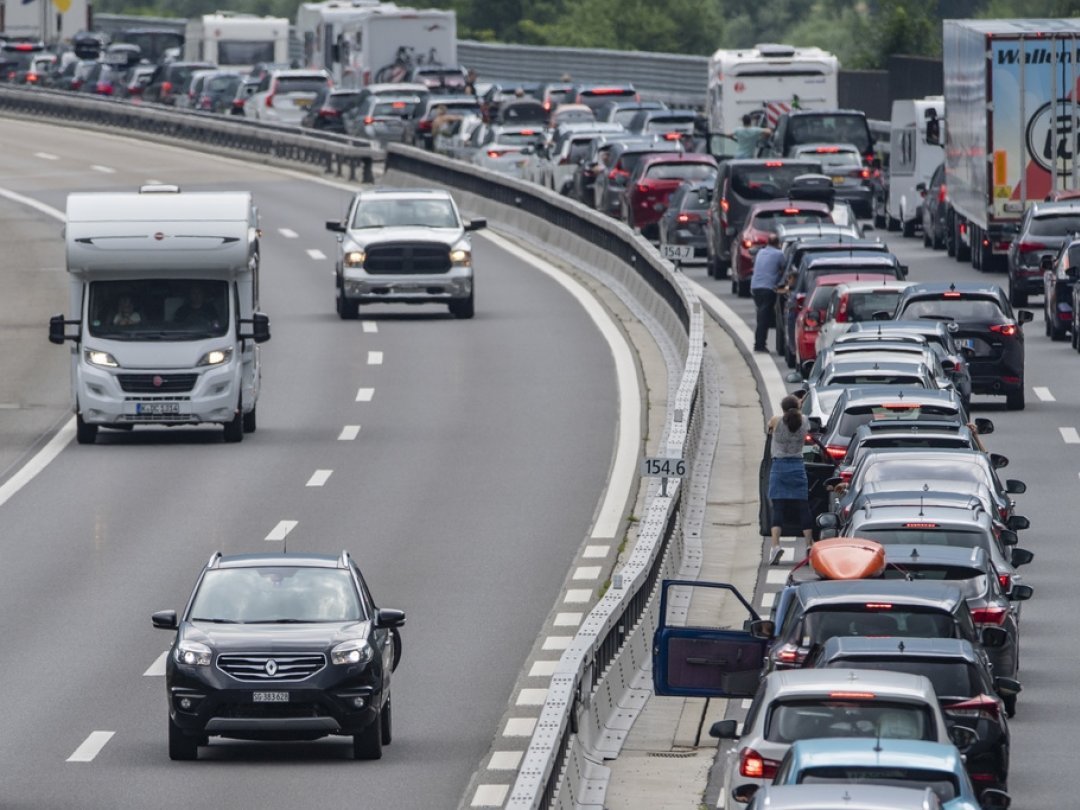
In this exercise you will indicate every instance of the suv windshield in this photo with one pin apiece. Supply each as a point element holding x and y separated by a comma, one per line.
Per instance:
<point>376,213</point>
<point>159,309</point>
<point>821,625</point>
<point>807,719</point>
<point>276,594</point>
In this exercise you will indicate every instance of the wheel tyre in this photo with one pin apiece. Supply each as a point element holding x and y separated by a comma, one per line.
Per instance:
<point>962,252</point>
<point>250,421</point>
<point>891,224</point>
<point>182,747</point>
<point>938,240</point>
<point>386,722</point>
<point>907,227</point>
<point>347,309</point>
<point>926,241</point>
<point>1014,400</point>
<point>84,433</point>
<point>234,429</point>
<point>463,308</point>
<point>368,743</point>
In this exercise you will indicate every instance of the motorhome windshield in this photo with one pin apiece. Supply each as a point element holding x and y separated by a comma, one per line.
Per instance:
<point>158,309</point>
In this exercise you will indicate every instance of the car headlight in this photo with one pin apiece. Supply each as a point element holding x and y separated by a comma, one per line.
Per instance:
<point>215,357</point>
<point>99,358</point>
<point>192,654</point>
<point>357,651</point>
<point>354,258</point>
<point>461,257</point>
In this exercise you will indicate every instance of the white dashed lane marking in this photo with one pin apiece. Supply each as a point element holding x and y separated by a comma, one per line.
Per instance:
<point>91,746</point>
<point>370,327</point>
<point>543,669</point>
<point>365,394</point>
<point>578,596</point>
<point>505,760</point>
<point>316,254</point>
<point>490,795</point>
<point>374,358</point>
<point>557,642</point>
<point>531,697</point>
<point>587,572</point>
<point>1069,435</point>
<point>46,156</point>
<point>319,478</point>
<point>281,531</point>
<point>1044,394</point>
<point>103,169</point>
<point>349,433</point>
<point>519,727</point>
<point>288,233</point>
<point>157,669</point>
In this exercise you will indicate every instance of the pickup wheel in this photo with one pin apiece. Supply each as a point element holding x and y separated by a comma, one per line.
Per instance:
<point>182,747</point>
<point>84,433</point>
<point>250,421</point>
<point>463,307</point>
<point>347,309</point>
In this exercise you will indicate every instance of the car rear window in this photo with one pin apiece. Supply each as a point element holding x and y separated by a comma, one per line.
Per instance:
<point>521,138</point>
<point>863,305</point>
<point>876,379</point>
<point>897,468</point>
<point>579,149</point>
<point>223,84</point>
<point>769,220</point>
<point>765,182</point>
<point>838,161</point>
<point>661,125</point>
<point>890,620</point>
<point>680,171</point>
<point>344,101</point>
<point>976,310</point>
<point>1054,225</point>
<point>789,721</point>
<point>695,201</point>
<point>943,784</point>
<point>821,296</point>
<point>300,84</point>
<point>954,538</point>
<point>859,415</point>
<point>830,128</point>
<point>954,679</point>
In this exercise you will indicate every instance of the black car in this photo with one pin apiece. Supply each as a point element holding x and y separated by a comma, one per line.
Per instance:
<point>281,647</point>
<point>595,163</point>
<point>1046,226</point>
<point>934,203</point>
<point>328,109</point>
<point>683,223</point>
<point>969,694</point>
<point>170,78</point>
<point>419,128</point>
<point>1059,280</point>
<point>981,317</point>
<point>800,127</point>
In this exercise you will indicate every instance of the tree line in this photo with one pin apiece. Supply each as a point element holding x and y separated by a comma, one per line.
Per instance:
<point>863,33</point>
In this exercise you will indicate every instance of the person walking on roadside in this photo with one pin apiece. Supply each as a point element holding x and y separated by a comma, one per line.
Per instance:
<point>768,270</point>
<point>789,492</point>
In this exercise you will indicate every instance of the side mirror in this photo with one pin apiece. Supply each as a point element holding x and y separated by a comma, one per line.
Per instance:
<point>164,620</point>
<point>260,328</point>
<point>335,227</point>
<point>763,628</point>
<point>984,426</point>
<point>744,793</point>
<point>902,271</point>
<point>963,737</point>
<point>1008,537</point>
<point>793,377</point>
<point>476,224</point>
<point>993,799</point>
<point>724,730</point>
<point>1021,593</point>
<point>1025,315</point>
<point>56,329</point>
<point>1047,263</point>
<point>828,520</point>
<point>389,618</point>
<point>807,367</point>
<point>1021,556</point>
<point>998,461</point>
<point>920,187</point>
<point>1018,523</point>
<point>948,366</point>
<point>993,637</point>
<point>815,424</point>
<point>1007,687</point>
<point>1015,487</point>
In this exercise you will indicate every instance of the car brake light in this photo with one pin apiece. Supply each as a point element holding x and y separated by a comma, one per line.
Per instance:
<point>672,136</point>
<point>941,194</point>
<point>725,206</point>
<point>166,88</point>
<point>792,211</point>
<point>791,654</point>
<point>1005,580</point>
<point>31,77</point>
<point>688,218</point>
<point>852,695</point>
<point>747,243</point>
<point>493,153</point>
<point>368,121</point>
<point>521,132</point>
<point>864,174</point>
<point>879,606</point>
<point>988,615</point>
<point>1005,329</point>
<point>642,188</point>
<point>103,89</point>
<point>754,766</point>
<point>951,294</point>
<point>23,46</point>
<point>772,164</point>
<point>615,174</point>
<point>836,452</point>
<point>424,125</point>
<point>827,150</point>
<point>980,704</point>
<point>920,525</point>
<point>841,313</point>
<point>1030,247</point>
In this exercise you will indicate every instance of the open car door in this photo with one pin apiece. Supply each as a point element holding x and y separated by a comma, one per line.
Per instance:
<point>708,661</point>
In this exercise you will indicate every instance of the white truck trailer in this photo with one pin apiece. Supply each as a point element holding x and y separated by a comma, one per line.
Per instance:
<point>164,310</point>
<point>48,20</point>
<point>236,41</point>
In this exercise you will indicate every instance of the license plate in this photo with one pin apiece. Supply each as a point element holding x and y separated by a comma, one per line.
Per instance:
<point>270,697</point>
<point>157,408</point>
<point>302,102</point>
<point>673,252</point>
<point>838,181</point>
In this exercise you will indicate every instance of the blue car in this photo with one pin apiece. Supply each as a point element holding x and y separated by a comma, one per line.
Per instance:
<point>897,763</point>
<point>829,797</point>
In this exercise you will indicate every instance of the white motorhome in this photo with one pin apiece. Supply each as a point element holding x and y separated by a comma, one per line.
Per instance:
<point>318,26</point>
<point>236,40</point>
<point>764,82</point>
<point>384,45</point>
<point>164,307</point>
<point>912,160</point>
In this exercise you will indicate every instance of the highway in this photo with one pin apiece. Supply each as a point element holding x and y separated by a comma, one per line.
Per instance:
<point>460,462</point>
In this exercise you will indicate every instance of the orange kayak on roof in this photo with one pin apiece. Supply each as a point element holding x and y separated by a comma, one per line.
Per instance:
<point>847,558</point>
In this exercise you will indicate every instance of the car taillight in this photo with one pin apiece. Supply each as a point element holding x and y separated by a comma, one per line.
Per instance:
<point>1005,580</point>
<point>270,99</point>
<point>725,206</point>
<point>77,83</point>
<point>688,218</point>
<point>329,112</point>
<point>989,615</point>
<point>791,654</point>
<point>238,103</point>
<point>205,103</point>
<point>862,174</point>
<point>836,452</point>
<point>166,88</point>
<point>841,313</point>
<point>941,194</point>
<point>369,120</point>
<point>754,766</point>
<point>1030,247</point>
<point>103,89</point>
<point>1005,329</point>
<point>424,125</point>
<point>846,473</point>
<point>643,188</point>
<point>31,77</point>
<point>493,153</point>
<point>980,705</point>
<point>800,301</point>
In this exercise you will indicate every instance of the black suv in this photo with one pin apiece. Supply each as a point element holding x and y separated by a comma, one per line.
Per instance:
<point>800,127</point>
<point>1059,284</point>
<point>281,647</point>
<point>980,316</point>
<point>1046,226</point>
<point>169,79</point>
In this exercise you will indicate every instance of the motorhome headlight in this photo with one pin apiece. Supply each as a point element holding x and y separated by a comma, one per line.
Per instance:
<point>357,651</point>
<point>354,258</point>
<point>215,357</point>
<point>99,358</point>
<point>461,257</point>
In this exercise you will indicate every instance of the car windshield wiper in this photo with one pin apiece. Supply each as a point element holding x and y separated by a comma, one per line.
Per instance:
<point>217,621</point>
<point>285,621</point>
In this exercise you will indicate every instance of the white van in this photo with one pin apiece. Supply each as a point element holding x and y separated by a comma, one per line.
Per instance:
<point>164,305</point>
<point>911,159</point>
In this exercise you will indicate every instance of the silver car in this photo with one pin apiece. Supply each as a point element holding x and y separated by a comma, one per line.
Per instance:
<point>404,246</point>
<point>381,118</point>
<point>505,149</point>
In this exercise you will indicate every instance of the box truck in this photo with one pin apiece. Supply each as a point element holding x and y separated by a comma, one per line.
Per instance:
<point>164,314</point>
<point>1011,127</point>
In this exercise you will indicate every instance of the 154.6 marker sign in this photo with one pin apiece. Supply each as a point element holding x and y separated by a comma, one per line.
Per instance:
<point>663,467</point>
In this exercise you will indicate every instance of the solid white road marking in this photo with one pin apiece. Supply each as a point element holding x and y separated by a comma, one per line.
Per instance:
<point>316,254</point>
<point>374,358</point>
<point>103,169</point>
<point>349,433</point>
<point>319,478</point>
<point>281,531</point>
<point>157,669</point>
<point>46,156</point>
<point>490,795</point>
<point>531,697</point>
<point>519,727</point>
<point>1069,435</point>
<point>369,326</point>
<point>624,470</point>
<point>505,760</point>
<point>1044,394</point>
<point>365,394</point>
<point>288,233</point>
<point>91,746</point>
<point>543,669</point>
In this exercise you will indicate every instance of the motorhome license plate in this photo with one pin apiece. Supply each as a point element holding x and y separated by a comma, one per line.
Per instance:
<point>157,408</point>
<point>270,697</point>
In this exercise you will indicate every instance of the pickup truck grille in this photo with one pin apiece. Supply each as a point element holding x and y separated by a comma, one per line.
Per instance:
<point>257,667</point>
<point>407,258</point>
<point>156,383</point>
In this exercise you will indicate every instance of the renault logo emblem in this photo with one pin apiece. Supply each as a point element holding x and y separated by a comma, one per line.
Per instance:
<point>271,667</point>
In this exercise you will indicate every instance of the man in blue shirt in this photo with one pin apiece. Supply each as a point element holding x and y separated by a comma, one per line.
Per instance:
<point>768,269</point>
<point>748,138</point>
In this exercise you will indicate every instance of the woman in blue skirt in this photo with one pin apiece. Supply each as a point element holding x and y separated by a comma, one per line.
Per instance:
<point>788,489</point>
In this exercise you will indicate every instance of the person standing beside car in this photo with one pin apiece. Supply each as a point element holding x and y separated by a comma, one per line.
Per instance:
<point>789,490</point>
<point>748,138</point>
<point>768,269</point>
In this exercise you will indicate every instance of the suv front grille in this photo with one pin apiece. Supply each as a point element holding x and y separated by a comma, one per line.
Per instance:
<point>257,667</point>
<point>407,258</point>
<point>156,383</point>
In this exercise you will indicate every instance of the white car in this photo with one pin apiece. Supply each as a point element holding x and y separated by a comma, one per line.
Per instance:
<point>505,149</point>
<point>854,302</point>
<point>554,165</point>
<point>283,96</point>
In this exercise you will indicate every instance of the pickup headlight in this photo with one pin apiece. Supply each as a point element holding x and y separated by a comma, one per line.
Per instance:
<point>357,651</point>
<point>354,258</point>
<point>192,654</point>
<point>215,357</point>
<point>461,257</point>
<point>99,358</point>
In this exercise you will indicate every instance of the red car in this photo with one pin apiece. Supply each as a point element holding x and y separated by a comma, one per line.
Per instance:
<point>762,221</point>
<point>808,321</point>
<point>653,180</point>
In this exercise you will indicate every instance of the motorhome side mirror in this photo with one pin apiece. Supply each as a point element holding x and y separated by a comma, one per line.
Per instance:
<point>984,426</point>
<point>963,737</point>
<point>1008,537</point>
<point>1021,593</point>
<point>762,628</point>
<point>1021,556</point>
<point>998,461</point>
<point>1025,315</point>
<point>993,799</point>
<point>335,227</point>
<point>56,329</point>
<point>1015,487</point>
<point>260,328</point>
<point>1007,687</point>
<point>476,224</point>
<point>164,620</point>
<point>724,730</point>
<point>388,618</point>
<point>828,520</point>
<point>1018,523</point>
<point>993,637</point>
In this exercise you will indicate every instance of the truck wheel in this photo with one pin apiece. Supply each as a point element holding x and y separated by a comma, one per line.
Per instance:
<point>962,252</point>
<point>249,421</point>
<point>84,433</point>
<point>234,428</point>
<point>181,746</point>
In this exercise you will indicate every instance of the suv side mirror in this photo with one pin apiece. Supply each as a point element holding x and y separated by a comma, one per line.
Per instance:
<point>1021,593</point>
<point>476,224</point>
<point>1015,487</point>
<point>164,620</point>
<point>828,520</point>
<point>984,426</point>
<point>1025,315</point>
<point>724,730</point>
<point>762,628</point>
<point>993,637</point>
<point>1007,687</point>
<point>1018,523</point>
<point>921,188</point>
<point>335,227</point>
<point>993,799</point>
<point>260,328</point>
<point>1020,556</point>
<point>389,618</point>
<point>997,461</point>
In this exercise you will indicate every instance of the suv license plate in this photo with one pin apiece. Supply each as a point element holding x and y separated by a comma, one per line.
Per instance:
<point>270,697</point>
<point>157,408</point>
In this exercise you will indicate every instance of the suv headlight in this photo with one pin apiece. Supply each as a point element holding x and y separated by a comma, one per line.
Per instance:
<point>99,358</point>
<point>357,651</point>
<point>192,654</point>
<point>215,357</point>
<point>461,257</point>
<point>354,258</point>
